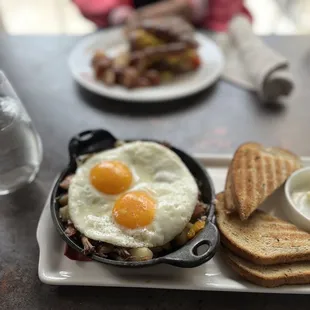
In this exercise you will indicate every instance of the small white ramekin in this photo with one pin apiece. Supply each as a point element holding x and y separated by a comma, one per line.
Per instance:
<point>296,181</point>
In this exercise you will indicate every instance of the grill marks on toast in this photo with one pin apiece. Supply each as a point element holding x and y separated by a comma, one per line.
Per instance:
<point>255,173</point>
<point>271,182</point>
<point>262,239</point>
<point>262,248</point>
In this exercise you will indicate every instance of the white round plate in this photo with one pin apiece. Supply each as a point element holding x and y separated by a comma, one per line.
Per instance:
<point>112,41</point>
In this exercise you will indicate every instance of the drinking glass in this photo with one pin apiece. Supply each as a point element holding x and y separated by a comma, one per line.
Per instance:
<point>20,144</point>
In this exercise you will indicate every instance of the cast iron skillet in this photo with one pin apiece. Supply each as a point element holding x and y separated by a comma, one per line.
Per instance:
<point>93,141</point>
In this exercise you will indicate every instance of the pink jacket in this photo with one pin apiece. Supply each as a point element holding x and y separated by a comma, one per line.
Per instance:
<point>214,16</point>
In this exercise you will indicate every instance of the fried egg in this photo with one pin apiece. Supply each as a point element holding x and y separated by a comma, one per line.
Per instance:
<point>139,194</point>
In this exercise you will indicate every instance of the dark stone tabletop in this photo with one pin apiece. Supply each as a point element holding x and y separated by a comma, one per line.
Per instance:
<point>214,121</point>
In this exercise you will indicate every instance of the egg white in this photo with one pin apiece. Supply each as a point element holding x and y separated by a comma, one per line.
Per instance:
<point>156,170</point>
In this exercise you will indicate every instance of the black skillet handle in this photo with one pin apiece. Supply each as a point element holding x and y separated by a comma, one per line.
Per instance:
<point>211,216</point>
<point>187,256</point>
<point>90,141</point>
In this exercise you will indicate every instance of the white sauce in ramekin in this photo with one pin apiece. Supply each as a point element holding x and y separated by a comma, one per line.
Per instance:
<point>301,199</point>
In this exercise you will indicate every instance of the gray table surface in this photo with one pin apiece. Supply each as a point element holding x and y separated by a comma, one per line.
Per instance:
<point>214,121</point>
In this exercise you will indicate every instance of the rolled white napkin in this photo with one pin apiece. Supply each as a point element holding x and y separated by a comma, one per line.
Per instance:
<point>252,64</point>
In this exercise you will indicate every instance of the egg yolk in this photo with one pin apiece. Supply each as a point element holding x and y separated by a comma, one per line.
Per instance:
<point>111,177</point>
<point>134,209</point>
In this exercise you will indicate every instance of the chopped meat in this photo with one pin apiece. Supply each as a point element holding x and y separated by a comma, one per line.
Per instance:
<point>98,57</point>
<point>64,184</point>
<point>130,77</point>
<point>70,231</point>
<point>104,249</point>
<point>101,68</point>
<point>101,63</point>
<point>88,247</point>
<point>109,76</point>
<point>123,253</point>
<point>199,211</point>
<point>153,76</point>
<point>143,82</point>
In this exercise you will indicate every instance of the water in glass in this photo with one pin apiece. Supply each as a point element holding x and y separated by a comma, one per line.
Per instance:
<point>20,144</point>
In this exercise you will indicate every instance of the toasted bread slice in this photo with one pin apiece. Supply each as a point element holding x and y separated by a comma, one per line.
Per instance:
<point>269,276</point>
<point>257,172</point>
<point>262,239</point>
<point>229,199</point>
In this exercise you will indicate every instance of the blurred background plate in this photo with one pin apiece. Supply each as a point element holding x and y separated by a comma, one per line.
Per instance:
<point>112,41</point>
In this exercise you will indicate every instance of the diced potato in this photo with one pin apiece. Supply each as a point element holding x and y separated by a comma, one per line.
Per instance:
<point>141,254</point>
<point>64,213</point>
<point>63,200</point>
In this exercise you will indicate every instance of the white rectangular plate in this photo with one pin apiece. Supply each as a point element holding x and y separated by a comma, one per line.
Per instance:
<point>57,269</point>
